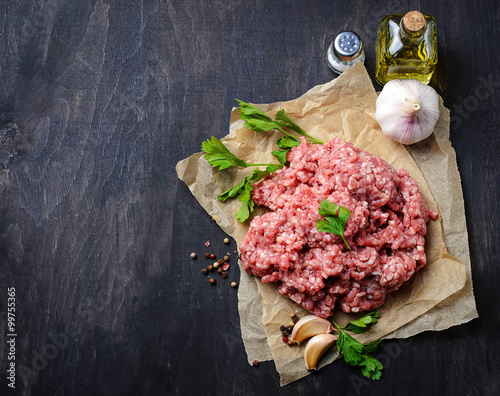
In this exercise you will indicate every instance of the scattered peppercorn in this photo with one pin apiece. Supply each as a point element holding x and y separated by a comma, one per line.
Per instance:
<point>207,255</point>
<point>291,324</point>
<point>219,270</point>
<point>216,265</point>
<point>255,363</point>
<point>212,256</point>
<point>220,261</point>
<point>226,240</point>
<point>282,328</point>
<point>210,267</point>
<point>285,339</point>
<point>234,284</point>
<point>225,266</point>
<point>204,271</point>
<point>212,281</point>
<point>290,343</point>
<point>223,274</point>
<point>193,255</point>
<point>295,319</point>
<point>226,258</point>
<point>292,315</point>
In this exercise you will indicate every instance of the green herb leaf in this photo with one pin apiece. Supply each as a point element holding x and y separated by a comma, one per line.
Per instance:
<point>245,209</point>
<point>362,324</point>
<point>287,122</point>
<point>243,191</point>
<point>233,191</point>
<point>336,219</point>
<point>281,155</point>
<point>356,354</point>
<point>288,142</point>
<point>219,156</point>
<point>259,121</point>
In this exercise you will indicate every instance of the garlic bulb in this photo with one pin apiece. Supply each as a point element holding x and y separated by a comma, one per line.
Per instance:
<point>407,110</point>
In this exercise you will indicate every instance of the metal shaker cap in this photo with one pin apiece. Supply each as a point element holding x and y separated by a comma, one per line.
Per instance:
<point>345,51</point>
<point>348,45</point>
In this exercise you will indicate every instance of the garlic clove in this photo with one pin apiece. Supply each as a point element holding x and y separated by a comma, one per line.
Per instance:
<point>407,110</point>
<point>316,348</point>
<point>309,326</point>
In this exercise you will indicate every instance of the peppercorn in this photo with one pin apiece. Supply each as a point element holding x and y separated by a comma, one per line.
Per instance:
<point>292,315</point>
<point>282,328</point>
<point>234,284</point>
<point>226,240</point>
<point>255,363</point>
<point>285,339</point>
<point>216,265</point>
<point>219,270</point>
<point>290,343</point>
<point>204,271</point>
<point>225,266</point>
<point>210,267</point>
<point>223,274</point>
<point>212,281</point>
<point>220,261</point>
<point>295,319</point>
<point>226,258</point>
<point>212,256</point>
<point>193,255</point>
<point>291,324</point>
<point>289,328</point>
<point>207,255</point>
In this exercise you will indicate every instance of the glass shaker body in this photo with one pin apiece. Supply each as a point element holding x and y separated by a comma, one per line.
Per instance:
<point>406,52</point>
<point>345,51</point>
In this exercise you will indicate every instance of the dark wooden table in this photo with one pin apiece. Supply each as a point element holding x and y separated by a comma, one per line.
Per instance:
<point>100,100</point>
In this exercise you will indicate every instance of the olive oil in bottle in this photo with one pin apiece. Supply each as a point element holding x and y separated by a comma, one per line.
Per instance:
<point>406,47</point>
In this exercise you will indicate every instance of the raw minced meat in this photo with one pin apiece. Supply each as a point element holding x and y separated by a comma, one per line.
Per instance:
<point>385,230</point>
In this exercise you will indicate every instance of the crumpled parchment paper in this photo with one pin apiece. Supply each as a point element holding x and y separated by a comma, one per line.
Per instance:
<point>435,298</point>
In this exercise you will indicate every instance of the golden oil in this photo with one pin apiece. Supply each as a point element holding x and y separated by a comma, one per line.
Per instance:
<point>406,47</point>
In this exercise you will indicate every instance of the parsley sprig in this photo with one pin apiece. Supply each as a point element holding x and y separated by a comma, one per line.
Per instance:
<point>220,157</point>
<point>355,353</point>
<point>259,121</point>
<point>244,189</point>
<point>335,219</point>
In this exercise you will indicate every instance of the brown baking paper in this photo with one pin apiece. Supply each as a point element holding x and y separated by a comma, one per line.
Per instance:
<point>435,298</point>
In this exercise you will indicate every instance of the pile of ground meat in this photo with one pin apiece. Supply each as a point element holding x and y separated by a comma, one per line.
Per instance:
<point>385,230</point>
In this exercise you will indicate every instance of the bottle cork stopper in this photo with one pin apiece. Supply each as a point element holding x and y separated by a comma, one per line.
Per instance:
<point>414,21</point>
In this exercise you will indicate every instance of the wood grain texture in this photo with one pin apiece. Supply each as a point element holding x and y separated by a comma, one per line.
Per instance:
<point>98,102</point>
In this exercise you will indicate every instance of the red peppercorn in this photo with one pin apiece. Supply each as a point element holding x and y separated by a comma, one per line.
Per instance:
<point>255,363</point>
<point>212,256</point>
<point>285,339</point>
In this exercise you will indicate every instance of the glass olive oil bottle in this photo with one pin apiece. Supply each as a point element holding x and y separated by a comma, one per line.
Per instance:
<point>406,47</point>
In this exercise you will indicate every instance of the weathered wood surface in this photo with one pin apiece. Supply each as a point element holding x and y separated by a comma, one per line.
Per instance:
<point>98,102</point>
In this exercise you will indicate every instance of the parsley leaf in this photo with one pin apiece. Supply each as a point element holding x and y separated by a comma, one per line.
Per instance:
<point>287,122</point>
<point>243,190</point>
<point>285,143</point>
<point>335,219</point>
<point>259,121</point>
<point>218,155</point>
<point>362,324</point>
<point>356,354</point>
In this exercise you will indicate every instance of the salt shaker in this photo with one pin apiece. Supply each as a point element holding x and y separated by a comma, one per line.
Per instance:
<point>345,51</point>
